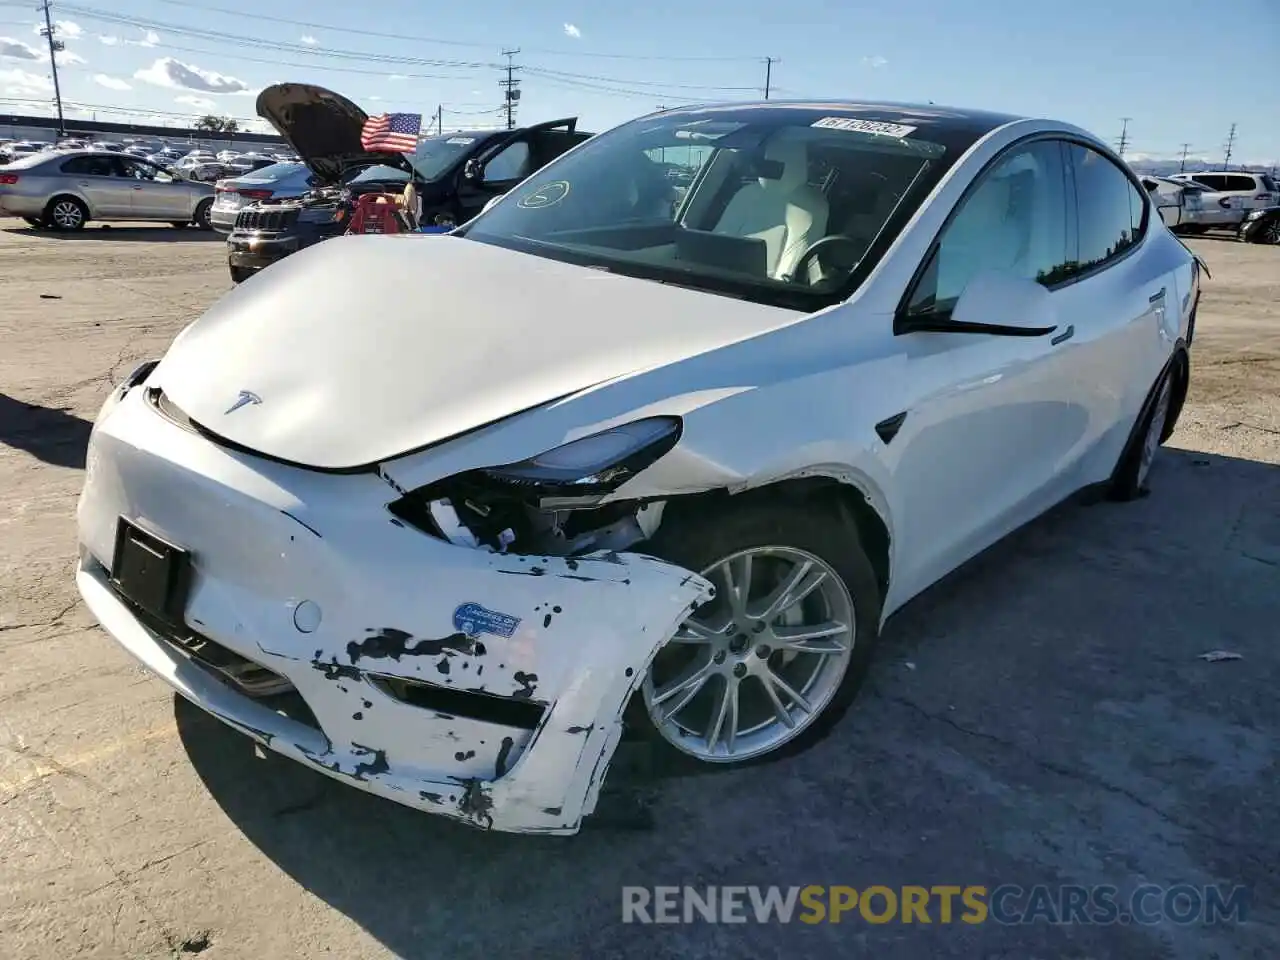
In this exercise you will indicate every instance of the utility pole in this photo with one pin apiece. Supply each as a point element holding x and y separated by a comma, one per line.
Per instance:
<point>1182,166</point>
<point>439,119</point>
<point>1231,142</point>
<point>768,75</point>
<point>55,46</point>
<point>1124,135</point>
<point>512,87</point>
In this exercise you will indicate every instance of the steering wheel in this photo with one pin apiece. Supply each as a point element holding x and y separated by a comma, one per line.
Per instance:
<point>814,249</point>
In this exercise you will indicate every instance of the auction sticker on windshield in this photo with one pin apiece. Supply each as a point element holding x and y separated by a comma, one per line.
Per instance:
<point>546,195</point>
<point>854,125</point>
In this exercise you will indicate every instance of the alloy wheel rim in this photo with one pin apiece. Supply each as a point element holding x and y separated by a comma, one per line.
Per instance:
<point>66,214</point>
<point>756,666</point>
<point>1272,233</point>
<point>1151,442</point>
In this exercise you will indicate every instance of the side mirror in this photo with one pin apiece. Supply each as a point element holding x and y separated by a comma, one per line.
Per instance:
<point>1001,303</point>
<point>473,170</point>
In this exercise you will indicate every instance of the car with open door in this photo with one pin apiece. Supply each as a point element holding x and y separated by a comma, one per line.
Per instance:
<point>616,459</point>
<point>454,174</point>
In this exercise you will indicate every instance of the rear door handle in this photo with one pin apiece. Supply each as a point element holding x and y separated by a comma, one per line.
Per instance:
<point>1157,297</point>
<point>1065,335</point>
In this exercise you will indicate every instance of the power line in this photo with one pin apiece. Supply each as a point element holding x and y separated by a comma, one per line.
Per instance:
<point>511,85</point>
<point>218,36</point>
<point>203,8</point>
<point>1231,142</point>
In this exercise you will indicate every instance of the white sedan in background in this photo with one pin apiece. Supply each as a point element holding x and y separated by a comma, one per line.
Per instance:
<point>443,560</point>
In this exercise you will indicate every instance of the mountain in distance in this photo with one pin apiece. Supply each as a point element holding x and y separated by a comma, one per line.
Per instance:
<point>1163,167</point>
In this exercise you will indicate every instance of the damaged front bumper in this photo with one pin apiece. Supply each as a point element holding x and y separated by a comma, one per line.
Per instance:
<point>486,687</point>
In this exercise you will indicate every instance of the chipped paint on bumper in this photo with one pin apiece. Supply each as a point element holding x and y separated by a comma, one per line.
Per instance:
<point>265,537</point>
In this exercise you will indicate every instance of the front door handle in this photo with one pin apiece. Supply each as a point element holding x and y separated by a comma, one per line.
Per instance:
<point>1065,335</point>
<point>1157,297</point>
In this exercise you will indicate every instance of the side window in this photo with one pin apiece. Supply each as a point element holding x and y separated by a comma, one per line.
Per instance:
<point>1014,221</point>
<point>135,170</point>
<point>90,167</point>
<point>1109,210</point>
<point>1210,180</point>
<point>1240,182</point>
<point>510,163</point>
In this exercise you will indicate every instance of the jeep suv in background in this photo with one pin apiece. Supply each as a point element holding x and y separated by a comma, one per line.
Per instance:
<point>454,174</point>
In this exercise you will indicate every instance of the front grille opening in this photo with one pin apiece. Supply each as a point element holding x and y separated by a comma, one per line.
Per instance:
<point>522,714</point>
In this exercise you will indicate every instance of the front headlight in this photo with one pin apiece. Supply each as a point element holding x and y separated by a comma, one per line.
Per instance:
<point>594,464</point>
<point>1255,215</point>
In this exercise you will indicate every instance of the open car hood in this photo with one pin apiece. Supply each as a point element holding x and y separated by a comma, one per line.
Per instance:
<point>323,128</point>
<point>358,349</point>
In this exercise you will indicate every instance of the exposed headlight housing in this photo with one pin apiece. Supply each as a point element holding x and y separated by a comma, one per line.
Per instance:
<point>1255,215</point>
<point>594,464</point>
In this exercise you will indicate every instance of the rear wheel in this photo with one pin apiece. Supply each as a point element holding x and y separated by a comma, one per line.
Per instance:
<point>204,213</point>
<point>1129,482</point>
<point>1271,232</point>
<point>179,224</point>
<point>66,214</point>
<point>768,667</point>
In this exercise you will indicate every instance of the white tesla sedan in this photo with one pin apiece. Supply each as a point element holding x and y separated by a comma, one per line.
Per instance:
<point>440,516</point>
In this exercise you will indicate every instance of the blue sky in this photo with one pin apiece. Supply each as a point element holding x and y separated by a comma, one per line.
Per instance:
<point>1179,76</point>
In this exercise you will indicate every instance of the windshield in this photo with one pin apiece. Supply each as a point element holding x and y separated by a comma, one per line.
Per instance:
<point>777,205</point>
<point>436,155</point>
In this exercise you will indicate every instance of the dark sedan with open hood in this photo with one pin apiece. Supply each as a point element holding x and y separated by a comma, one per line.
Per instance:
<point>454,174</point>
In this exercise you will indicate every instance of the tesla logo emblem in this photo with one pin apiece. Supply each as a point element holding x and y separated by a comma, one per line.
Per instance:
<point>245,398</point>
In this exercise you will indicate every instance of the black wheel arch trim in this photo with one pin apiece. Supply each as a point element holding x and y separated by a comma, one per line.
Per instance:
<point>1180,355</point>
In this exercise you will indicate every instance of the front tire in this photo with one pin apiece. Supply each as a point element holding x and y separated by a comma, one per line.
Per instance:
<point>240,274</point>
<point>179,224</point>
<point>767,668</point>
<point>66,214</point>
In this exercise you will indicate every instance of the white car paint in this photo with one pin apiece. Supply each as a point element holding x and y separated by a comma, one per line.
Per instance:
<point>997,430</point>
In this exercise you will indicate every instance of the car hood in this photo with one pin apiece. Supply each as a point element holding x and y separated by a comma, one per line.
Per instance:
<point>359,349</point>
<point>323,128</point>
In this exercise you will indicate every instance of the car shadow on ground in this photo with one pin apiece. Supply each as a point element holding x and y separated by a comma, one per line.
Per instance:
<point>47,433</point>
<point>1041,716</point>
<point>102,232</point>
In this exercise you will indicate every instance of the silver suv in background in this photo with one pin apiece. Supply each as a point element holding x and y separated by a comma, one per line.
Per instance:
<point>63,190</point>
<point>1242,191</point>
<point>280,181</point>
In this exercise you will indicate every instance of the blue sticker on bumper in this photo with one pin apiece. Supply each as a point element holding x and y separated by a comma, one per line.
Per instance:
<point>473,620</point>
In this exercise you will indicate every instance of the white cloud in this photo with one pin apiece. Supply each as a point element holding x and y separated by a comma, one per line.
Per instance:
<point>111,83</point>
<point>572,31</point>
<point>200,103</point>
<point>309,40</point>
<point>109,40</point>
<point>22,83</point>
<point>395,77</point>
<point>168,72</point>
<point>875,63</point>
<point>18,50</point>
<point>66,58</point>
<point>149,39</point>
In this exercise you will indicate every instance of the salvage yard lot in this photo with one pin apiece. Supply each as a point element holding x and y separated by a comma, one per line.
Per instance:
<point>1041,718</point>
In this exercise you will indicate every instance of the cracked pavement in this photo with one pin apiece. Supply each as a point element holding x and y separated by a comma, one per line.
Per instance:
<point>1042,717</point>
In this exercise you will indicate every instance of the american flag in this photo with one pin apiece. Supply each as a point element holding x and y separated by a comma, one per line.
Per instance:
<point>392,132</point>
